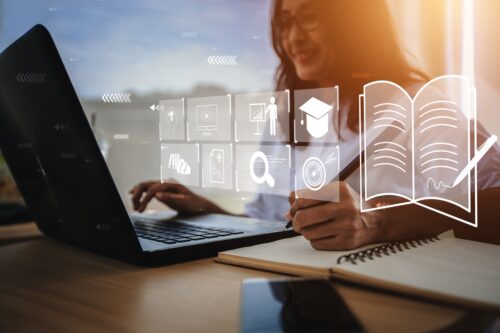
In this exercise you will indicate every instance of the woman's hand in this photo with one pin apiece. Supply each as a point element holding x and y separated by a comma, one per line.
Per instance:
<point>174,195</point>
<point>334,225</point>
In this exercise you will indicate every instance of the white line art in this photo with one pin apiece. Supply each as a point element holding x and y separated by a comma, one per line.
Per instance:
<point>435,185</point>
<point>314,173</point>
<point>206,117</point>
<point>443,108</point>
<point>438,143</point>
<point>390,125</point>
<point>438,151</point>
<point>436,102</point>
<point>439,166</point>
<point>390,149</point>
<point>438,159</point>
<point>437,125</point>
<point>272,109</point>
<point>390,111</point>
<point>478,156</point>
<point>266,176</point>
<point>391,164</point>
<point>175,162</point>
<point>435,110</point>
<point>116,98</point>
<point>438,117</point>
<point>156,107</point>
<point>225,60</point>
<point>256,114</point>
<point>389,143</point>
<point>390,119</point>
<point>317,116</point>
<point>390,157</point>
<point>216,172</point>
<point>391,104</point>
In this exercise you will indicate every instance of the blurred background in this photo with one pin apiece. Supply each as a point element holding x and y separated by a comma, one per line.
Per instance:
<point>157,49</point>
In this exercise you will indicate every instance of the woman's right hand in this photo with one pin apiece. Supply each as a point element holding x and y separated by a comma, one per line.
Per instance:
<point>174,195</point>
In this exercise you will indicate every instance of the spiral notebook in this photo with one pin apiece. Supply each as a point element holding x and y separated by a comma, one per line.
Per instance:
<point>443,267</point>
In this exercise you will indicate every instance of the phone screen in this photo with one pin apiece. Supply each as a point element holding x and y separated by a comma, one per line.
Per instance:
<point>295,306</point>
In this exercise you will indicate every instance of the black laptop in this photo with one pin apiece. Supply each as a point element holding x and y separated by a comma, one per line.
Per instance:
<point>58,167</point>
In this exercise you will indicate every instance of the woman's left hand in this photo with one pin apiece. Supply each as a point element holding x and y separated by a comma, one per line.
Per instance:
<point>334,225</point>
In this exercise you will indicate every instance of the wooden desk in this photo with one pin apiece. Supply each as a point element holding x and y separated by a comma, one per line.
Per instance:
<point>46,286</point>
<point>15,233</point>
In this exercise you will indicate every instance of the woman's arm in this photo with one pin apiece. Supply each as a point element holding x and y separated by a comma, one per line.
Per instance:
<point>341,225</point>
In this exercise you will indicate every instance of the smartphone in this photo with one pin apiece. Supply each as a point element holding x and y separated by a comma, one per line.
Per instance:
<point>295,305</point>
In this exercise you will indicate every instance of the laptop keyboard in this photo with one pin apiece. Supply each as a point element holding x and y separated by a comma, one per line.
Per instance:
<point>173,232</point>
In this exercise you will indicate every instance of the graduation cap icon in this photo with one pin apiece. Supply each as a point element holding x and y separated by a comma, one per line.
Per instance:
<point>317,116</point>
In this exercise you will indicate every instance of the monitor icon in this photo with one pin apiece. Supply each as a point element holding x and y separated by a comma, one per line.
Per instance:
<point>206,117</point>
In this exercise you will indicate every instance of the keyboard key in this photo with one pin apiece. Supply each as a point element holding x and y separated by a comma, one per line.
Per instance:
<point>176,232</point>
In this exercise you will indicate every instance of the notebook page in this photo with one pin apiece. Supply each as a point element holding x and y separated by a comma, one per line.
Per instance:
<point>454,267</point>
<point>290,251</point>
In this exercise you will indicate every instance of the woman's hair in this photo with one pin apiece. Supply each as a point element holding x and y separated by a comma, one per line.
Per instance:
<point>365,48</point>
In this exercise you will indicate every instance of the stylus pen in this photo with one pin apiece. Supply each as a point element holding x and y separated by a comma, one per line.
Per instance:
<point>346,172</point>
<point>477,156</point>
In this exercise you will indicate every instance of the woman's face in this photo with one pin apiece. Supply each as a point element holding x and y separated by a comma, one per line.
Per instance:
<point>304,39</point>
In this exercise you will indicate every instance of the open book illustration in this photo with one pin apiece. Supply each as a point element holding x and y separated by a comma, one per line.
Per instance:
<point>423,145</point>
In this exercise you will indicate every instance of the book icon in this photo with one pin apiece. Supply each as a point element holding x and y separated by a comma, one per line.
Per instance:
<point>416,148</point>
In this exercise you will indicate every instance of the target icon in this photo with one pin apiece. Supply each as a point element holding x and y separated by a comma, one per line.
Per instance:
<point>313,173</point>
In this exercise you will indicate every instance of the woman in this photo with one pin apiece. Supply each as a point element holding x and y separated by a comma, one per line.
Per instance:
<point>322,44</point>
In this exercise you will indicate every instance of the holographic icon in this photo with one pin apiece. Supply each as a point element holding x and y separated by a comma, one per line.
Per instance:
<point>266,176</point>
<point>313,173</point>
<point>216,166</point>
<point>272,109</point>
<point>317,116</point>
<point>175,162</point>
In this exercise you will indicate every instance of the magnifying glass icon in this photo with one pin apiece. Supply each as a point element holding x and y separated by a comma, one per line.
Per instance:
<point>266,176</point>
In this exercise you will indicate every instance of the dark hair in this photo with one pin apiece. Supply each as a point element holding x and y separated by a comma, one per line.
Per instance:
<point>365,44</point>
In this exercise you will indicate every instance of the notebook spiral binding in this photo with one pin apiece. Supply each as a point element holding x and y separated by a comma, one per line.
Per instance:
<point>385,250</point>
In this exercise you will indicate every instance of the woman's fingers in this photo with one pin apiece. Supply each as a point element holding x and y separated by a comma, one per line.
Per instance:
<point>331,228</point>
<point>303,203</point>
<point>166,197</point>
<point>343,233</point>
<point>149,194</point>
<point>165,192</point>
<point>319,213</point>
<point>324,212</point>
<point>138,191</point>
<point>330,191</point>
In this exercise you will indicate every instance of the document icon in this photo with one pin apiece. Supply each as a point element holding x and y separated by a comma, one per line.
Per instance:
<point>216,166</point>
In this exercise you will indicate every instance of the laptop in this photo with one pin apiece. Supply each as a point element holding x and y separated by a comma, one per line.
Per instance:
<point>55,160</point>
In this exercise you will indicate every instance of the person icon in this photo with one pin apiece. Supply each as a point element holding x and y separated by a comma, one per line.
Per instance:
<point>272,108</point>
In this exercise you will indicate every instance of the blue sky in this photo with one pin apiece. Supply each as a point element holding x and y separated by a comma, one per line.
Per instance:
<point>151,45</point>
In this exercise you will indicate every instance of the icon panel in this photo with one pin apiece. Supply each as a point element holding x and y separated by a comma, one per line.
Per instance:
<point>217,166</point>
<point>172,119</point>
<point>209,118</point>
<point>315,111</point>
<point>180,162</point>
<point>317,170</point>
<point>262,117</point>
<point>263,169</point>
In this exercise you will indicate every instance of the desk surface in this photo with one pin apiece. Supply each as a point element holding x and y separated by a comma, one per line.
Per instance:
<point>49,286</point>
